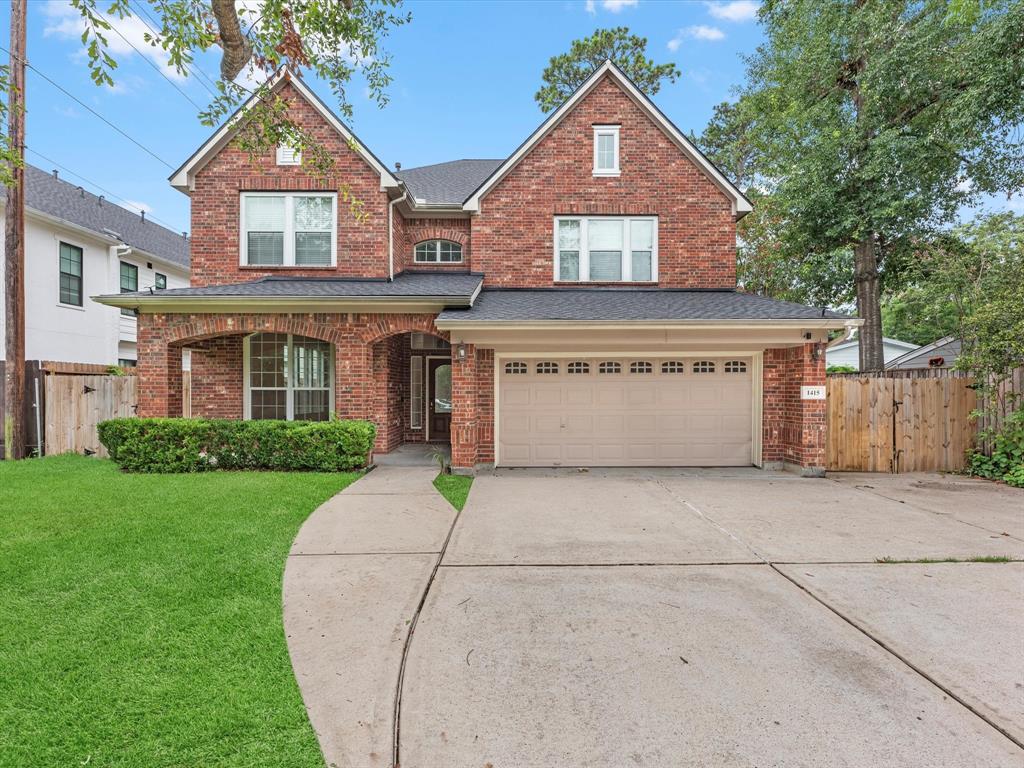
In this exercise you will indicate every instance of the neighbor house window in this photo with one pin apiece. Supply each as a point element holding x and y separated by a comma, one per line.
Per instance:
<point>606,249</point>
<point>160,281</point>
<point>70,274</point>
<point>289,230</point>
<point>124,362</point>
<point>438,252</point>
<point>606,150</point>
<point>288,377</point>
<point>129,283</point>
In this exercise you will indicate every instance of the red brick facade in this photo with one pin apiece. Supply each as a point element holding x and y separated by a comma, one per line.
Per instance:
<point>509,240</point>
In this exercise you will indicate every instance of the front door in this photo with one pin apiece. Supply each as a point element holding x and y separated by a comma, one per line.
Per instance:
<point>440,400</point>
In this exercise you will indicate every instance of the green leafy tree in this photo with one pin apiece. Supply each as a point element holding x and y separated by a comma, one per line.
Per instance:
<point>865,122</point>
<point>568,71</point>
<point>335,39</point>
<point>917,314</point>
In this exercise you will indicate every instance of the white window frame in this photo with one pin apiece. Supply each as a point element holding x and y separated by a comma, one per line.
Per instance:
<point>289,230</point>
<point>417,390</point>
<point>436,242</point>
<point>627,250</point>
<point>288,156</point>
<point>607,130</point>
<point>289,387</point>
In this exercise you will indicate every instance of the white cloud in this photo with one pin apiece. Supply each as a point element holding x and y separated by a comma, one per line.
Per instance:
<point>591,8</point>
<point>64,22</point>
<point>614,6</point>
<point>697,32</point>
<point>733,10</point>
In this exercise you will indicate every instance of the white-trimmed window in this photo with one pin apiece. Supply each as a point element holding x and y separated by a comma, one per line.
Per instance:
<point>288,377</point>
<point>416,392</point>
<point>606,249</point>
<point>606,150</point>
<point>294,229</point>
<point>437,252</point>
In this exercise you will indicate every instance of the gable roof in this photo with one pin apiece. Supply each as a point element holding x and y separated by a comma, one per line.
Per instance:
<point>60,201</point>
<point>741,205</point>
<point>182,179</point>
<point>855,342</point>
<point>947,347</point>
<point>446,183</point>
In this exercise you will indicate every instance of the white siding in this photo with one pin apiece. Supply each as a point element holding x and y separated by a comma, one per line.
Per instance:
<point>849,354</point>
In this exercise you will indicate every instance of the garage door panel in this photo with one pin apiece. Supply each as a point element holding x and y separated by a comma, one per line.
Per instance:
<point>667,419</point>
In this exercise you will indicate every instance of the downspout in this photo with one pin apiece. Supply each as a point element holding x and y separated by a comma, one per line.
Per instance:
<point>391,232</point>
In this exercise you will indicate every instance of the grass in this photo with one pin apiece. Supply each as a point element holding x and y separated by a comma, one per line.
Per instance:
<point>140,616</point>
<point>975,559</point>
<point>455,488</point>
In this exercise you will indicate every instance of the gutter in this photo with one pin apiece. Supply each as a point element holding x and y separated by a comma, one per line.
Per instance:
<point>815,323</point>
<point>391,231</point>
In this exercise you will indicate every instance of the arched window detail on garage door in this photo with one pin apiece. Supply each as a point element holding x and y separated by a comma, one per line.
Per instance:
<point>673,366</point>
<point>547,367</point>
<point>515,367</point>
<point>578,367</point>
<point>641,366</point>
<point>704,366</point>
<point>735,366</point>
<point>609,366</point>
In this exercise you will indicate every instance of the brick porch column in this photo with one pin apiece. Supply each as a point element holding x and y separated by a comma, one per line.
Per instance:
<point>811,372</point>
<point>465,414</point>
<point>156,368</point>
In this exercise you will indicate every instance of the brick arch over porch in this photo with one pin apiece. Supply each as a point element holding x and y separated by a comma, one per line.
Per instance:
<point>217,386</point>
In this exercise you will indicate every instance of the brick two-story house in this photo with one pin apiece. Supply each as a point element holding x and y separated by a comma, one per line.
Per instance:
<point>574,304</point>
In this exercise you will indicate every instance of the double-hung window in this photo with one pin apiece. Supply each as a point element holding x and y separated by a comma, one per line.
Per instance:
<point>129,283</point>
<point>606,150</point>
<point>159,281</point>
<point>606,249</point>
<point>70,274</point>
<point>289,230</point>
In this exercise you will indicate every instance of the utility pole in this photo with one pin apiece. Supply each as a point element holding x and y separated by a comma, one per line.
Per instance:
<point>14,246</point>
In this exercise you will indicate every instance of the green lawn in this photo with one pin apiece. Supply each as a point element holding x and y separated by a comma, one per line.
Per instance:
<point>455,488</point>
<point>140,616</point>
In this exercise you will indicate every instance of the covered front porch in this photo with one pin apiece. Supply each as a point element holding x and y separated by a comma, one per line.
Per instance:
<point>393,370</point>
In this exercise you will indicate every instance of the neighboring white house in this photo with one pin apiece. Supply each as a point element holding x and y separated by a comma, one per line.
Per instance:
<point>79,245</point>
<point>939,354</point>
<point>848,352</point>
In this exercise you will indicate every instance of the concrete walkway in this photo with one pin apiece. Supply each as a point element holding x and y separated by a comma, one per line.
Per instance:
<point>354,579</point>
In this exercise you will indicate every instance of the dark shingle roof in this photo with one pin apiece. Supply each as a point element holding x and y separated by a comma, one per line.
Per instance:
<point>407,285</point>
<point>615,304</point>
<point>447,183</point>
<point>62,200</point>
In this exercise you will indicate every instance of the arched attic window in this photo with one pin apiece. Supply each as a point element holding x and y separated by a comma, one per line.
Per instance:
<point>438,252</point>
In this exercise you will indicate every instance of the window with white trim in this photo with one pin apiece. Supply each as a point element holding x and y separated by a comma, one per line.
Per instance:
<point>415,392</point>
<point>437,252</point>
<point>606,150</point>
<point>606,249</point>
<point>295,229</point>
<point>289,377</point>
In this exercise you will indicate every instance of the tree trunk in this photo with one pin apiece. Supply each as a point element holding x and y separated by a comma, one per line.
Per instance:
<point>14,247</point>
<point>869,304</point>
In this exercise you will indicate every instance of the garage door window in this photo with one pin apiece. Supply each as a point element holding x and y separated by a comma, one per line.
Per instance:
<point>704,366</point>
<point>547,367</point>
<point>673,366</point>
<point>735,366</point>
<point>578,367</point>
<point>641,366</point>
<point>515,368</point>
<point>609,367</point>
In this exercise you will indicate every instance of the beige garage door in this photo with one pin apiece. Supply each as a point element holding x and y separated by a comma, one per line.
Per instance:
<point>681,411</point>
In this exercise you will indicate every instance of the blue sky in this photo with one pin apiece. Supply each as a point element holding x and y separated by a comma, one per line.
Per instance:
<point>464,78</point>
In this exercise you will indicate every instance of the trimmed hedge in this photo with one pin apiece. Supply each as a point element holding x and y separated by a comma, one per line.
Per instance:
<point>199,445</point>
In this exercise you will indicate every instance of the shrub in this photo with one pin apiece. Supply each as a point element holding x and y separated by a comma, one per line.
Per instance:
<point>1007,460</point>
<point>841,369</point>
<point>198,445</point>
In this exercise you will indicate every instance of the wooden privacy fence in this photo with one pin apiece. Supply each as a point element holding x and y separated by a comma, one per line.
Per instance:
<point>75,404</point>
<point>895,422</point>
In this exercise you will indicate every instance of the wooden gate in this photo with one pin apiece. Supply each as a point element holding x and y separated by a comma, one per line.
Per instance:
<point>883,423</point>
<point>75,404</point>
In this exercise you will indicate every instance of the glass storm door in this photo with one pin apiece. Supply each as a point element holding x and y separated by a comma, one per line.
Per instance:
<point>440,401</point>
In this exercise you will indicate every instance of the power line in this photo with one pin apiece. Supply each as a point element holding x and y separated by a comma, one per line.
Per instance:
<point>193,68</point>
<point>81,103</point>
<point>107,192</point>
<point>153,64</point>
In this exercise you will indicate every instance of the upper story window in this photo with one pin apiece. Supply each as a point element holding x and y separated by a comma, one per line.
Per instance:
<point>288,155</point>
<point>289,230</point>
<point>70,274</point>
<point>129,283</point>
<point>606,249</point>
<point>438,252</point>
<point>606,150</point>
<point>159,281</point>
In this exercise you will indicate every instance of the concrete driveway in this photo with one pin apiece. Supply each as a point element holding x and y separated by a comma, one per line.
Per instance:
<point>705,618</point>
